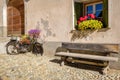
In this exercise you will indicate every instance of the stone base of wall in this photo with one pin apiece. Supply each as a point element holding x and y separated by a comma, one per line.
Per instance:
<point>50,48</point>
<point>3,42</point>
<point>3,31</point>
<point>115,65</point>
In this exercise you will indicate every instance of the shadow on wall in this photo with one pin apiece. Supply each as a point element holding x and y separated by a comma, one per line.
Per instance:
<point>1,31</point>
<point>76,34</point>
<point>48,31</point>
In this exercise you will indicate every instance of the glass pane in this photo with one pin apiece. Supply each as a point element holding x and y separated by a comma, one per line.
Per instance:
<point>98,14</point>
<point>90,12</point>
<point>99,6</point>
<point>89,8</point>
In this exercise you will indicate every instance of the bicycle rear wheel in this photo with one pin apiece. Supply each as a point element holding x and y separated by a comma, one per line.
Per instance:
<point>38,49</point>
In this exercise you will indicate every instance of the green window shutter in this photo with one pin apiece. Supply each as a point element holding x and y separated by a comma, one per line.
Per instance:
<point>78,11</point>
<point>105,13</point>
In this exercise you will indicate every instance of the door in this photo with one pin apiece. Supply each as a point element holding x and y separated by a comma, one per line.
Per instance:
<point>15,17</point>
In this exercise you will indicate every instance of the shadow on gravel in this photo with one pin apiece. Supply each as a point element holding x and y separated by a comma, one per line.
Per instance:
<point>79,65</point>
<point>0,78</point>
<point>55,61</point>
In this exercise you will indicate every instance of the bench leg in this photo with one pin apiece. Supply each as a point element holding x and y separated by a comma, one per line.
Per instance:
<point>105,70</point>
<point>62,63</point>
<point>63,60</point>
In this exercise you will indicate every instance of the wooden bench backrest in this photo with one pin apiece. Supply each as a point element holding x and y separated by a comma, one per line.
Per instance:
<point>93,47</point>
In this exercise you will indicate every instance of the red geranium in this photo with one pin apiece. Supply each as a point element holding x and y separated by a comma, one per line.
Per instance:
<point>81,19</point>
<point>85,17</point>
<point>91,16</point>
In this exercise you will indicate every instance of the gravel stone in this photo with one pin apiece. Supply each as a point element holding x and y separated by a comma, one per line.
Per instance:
<point>31,67</point>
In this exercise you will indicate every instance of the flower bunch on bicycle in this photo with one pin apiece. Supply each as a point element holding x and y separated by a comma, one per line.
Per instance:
<point>32,35</point>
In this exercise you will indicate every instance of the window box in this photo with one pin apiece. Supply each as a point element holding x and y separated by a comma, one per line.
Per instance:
<point>89,22</point>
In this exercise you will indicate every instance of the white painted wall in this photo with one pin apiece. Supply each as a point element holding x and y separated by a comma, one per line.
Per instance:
<point>1,11</point>
<point>53,17</point>
<point>55,20</point>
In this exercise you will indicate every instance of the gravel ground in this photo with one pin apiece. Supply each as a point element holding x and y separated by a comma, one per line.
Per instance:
<point>31,67</point>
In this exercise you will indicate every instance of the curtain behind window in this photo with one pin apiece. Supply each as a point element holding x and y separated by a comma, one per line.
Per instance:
<point>78,11</point>
<point>105,13</point>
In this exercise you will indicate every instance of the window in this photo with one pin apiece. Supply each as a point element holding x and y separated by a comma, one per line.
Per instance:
<point>95,8</point>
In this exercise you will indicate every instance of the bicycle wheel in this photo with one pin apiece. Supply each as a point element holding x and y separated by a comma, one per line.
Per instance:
<point>11,48</point>
<point>38,49</point>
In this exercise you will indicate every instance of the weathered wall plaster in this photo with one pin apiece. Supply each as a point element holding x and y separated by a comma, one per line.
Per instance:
<point>55,20</point>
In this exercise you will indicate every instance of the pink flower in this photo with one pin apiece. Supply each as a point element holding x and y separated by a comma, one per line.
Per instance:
<point>91,16</point>
<point>81,18</point>
<point>85,17</point>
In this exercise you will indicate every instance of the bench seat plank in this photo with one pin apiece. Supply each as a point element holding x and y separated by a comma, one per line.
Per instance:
<point>87,56</point>
<point>88,62</point>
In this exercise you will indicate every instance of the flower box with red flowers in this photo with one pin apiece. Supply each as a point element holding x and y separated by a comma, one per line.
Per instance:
<point>89,22</point>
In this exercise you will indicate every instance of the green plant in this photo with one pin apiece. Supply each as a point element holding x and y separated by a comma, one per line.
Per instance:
<point>90,24</point>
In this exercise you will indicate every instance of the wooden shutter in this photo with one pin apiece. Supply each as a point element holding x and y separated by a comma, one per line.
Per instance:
<point>78,11</point>
<point>105,13</point>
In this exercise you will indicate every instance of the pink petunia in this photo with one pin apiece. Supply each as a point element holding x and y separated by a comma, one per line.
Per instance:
<point>81,19</point>
<point>85,17</point>
<point>91,16</point>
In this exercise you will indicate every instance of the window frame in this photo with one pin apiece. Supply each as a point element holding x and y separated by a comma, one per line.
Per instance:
<point>87,2</point>
<point>94,6</point>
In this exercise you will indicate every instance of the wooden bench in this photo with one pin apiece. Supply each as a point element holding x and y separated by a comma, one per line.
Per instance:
<point>92,54</point>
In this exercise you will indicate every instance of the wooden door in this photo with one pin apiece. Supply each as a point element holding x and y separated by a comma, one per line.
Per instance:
<point>15,17</point>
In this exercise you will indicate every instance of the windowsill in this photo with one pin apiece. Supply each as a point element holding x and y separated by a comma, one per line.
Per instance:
<point>99,30</point>
<point>104,29</point>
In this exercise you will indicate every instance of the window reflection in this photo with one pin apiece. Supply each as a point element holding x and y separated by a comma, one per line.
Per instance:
<point>95,8</point>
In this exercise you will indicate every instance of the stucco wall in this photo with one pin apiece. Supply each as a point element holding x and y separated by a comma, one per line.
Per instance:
<point>1,18</point>
<point>1,10</point>
<point>54,18</point>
